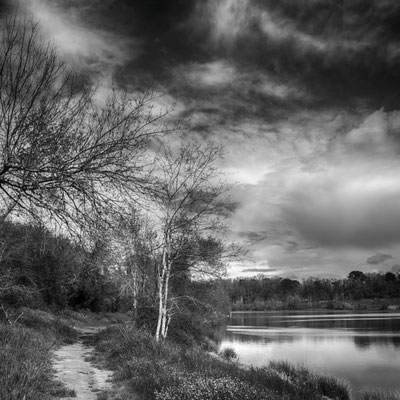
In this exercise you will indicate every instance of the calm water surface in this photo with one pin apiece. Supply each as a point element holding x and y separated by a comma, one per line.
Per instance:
<point>362,348</point>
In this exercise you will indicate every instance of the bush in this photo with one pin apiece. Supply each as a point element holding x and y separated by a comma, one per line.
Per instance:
<point>228,353</point>
<point>210,345</point>
<point>15,295</point>
<point>46,323</point>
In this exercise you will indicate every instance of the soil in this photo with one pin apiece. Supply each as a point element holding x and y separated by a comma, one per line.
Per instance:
<point>74,368</point>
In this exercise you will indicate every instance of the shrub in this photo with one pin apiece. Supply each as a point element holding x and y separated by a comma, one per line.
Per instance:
<point>209,344</point>
<point>228,353</point>
<point>46,323</point>
<point>21,296</point>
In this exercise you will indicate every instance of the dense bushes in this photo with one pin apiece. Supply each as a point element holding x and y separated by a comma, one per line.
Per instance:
<point>39,269</point>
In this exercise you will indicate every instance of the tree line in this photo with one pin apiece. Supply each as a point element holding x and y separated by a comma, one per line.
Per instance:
<point>270,293</point>
<point>95,203</point>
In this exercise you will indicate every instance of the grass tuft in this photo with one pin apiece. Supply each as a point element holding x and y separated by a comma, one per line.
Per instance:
<point>378,395</point>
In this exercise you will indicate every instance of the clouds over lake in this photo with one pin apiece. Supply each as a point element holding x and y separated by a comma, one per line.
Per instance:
<point>303,95</point>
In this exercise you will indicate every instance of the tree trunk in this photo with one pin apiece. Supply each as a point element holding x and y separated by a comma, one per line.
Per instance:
<point>160,308</point>
<point>164,325</point>
<point>135,295</point>
<point>162,322</point>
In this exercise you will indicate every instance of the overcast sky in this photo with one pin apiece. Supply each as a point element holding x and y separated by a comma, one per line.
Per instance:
<point>303,96</point>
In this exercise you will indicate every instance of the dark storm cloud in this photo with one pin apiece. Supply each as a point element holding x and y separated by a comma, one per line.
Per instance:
<point>344,50</point>
<point>379,258</point>
<point>254,237</point>
<point>4,7</point>
<point>161,28</point>
<point>333,53</point>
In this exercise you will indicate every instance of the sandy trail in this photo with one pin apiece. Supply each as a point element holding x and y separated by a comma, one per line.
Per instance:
<point>74,369</point>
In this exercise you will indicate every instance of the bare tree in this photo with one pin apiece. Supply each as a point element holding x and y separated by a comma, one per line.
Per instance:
<point>190,207</point>
<point>63,155</point>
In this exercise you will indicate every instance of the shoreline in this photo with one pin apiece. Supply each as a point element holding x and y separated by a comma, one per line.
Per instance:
<point>375,304</point>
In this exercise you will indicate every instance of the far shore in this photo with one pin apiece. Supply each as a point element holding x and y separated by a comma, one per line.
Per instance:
<point>377,305</point>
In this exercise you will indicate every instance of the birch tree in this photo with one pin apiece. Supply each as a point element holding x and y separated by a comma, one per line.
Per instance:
<point>191,207</point>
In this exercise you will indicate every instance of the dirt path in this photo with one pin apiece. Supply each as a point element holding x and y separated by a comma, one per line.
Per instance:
<point>74,369</point>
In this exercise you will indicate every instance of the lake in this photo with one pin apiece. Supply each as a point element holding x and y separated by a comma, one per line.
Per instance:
<point>362,348</point>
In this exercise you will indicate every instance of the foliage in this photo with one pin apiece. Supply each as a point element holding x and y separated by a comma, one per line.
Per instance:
<point>228,353</point>
<point>38,269</point>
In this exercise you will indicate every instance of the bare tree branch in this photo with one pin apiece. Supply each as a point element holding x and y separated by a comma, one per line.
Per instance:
<point>63,156</point>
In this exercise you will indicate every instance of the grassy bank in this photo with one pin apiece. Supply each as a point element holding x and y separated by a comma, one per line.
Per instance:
<point>145,369</point>
<point>167,371</point>
<point>27,338</point>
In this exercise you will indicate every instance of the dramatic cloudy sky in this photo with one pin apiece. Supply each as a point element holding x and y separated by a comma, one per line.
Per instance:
<point>304,96</point>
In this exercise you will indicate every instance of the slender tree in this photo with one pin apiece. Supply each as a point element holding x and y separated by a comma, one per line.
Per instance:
<point>64,155</point>
<point>190,208</point>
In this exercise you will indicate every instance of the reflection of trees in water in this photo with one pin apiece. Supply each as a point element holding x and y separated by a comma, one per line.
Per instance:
<point>380,324</point>
<point>262,339</point>
<point>368,331</point>
<point>361,342</point>
<point>365,342</point>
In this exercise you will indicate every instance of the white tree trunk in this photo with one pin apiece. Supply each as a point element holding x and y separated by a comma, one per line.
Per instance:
<point>162,321</point>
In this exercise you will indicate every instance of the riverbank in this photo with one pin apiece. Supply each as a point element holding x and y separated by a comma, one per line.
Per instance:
<point>144,369</point>
<point>148,370</point>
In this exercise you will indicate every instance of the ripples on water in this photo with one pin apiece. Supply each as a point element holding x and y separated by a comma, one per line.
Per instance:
<point>362,348</point>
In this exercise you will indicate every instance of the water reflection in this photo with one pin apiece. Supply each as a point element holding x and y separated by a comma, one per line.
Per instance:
<point>363,348</point>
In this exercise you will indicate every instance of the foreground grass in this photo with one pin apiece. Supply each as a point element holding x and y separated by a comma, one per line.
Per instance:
<point>146,370</point>
<point>25,353</point>
<point>166,371</point>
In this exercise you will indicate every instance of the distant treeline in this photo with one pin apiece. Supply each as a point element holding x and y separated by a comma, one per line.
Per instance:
<point>263,293</point>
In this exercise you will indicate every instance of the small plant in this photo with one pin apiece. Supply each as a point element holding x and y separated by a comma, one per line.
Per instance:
<point>228,354</point>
